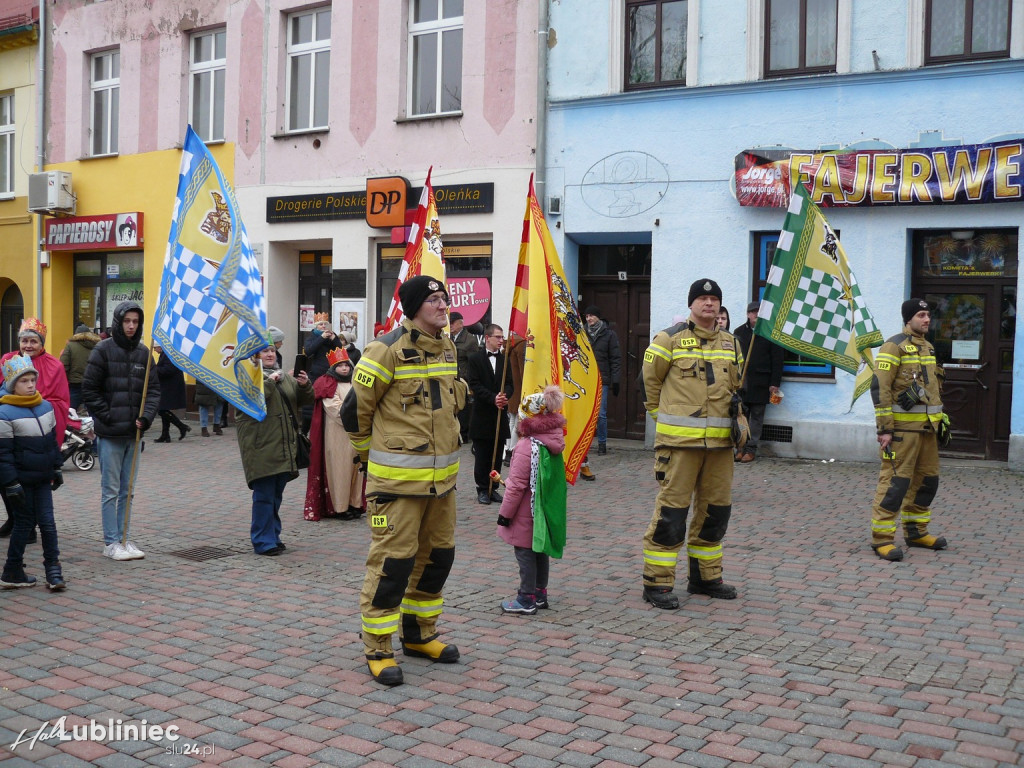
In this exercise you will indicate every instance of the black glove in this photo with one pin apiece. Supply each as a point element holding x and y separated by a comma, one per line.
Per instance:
<point>58,480</point>
<point>15,495</point>
<point>910,397</point>
<point>505,522</point>
<point>145,423</point>
<point>615,389</point>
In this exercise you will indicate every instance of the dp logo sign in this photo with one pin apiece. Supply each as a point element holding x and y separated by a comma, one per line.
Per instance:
<point>386,199</point>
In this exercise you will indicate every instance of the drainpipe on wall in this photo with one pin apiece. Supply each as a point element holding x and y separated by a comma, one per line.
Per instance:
<point>542,101</point>
<point>40,149</point>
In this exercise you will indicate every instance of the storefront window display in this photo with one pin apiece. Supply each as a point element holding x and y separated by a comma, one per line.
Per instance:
<point>102,281</point>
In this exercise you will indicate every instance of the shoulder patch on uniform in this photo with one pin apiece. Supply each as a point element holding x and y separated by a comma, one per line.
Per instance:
<point>648,356</point>
<point>911,348</point>
<point>364,377</point>
<point>449,356</point>
<point>883,366</point>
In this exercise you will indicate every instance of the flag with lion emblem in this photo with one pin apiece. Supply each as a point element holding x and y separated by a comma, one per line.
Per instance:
<point>211,314</point>
<point>558,349</point>
<point>811,303</point>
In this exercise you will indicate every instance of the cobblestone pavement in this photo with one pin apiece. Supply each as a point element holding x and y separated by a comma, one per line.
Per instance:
<point>829,656</point>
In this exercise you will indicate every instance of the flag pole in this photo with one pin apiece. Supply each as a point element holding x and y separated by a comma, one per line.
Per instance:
<point>497,426</point>
<point>135,452</point>
<point>746,360</point>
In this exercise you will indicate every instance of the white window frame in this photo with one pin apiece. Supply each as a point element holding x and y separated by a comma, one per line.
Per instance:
<point>8,143</point>
<point>916,31</point>
<point>423,29</point>
<point>111,84</point>
<point>295,51</point>
<point>207,71</point>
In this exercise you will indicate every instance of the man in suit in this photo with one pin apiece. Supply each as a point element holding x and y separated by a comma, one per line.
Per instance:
<point>490,411</point>
<point>762,380</point>
<point>466,345</point>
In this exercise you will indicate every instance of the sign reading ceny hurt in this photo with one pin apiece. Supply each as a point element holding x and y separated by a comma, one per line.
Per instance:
<point>471,296</point>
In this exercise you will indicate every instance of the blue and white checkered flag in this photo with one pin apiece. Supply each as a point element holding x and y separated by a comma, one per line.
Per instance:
<point>211,315</point>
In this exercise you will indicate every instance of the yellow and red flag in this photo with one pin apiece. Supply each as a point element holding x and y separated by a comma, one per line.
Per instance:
<point>424,252</point>
<point>558,350</point>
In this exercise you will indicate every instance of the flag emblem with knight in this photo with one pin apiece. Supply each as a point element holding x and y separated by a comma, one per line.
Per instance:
<point>211,314</point>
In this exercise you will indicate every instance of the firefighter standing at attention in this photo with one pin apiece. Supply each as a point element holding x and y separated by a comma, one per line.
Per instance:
<point>402,417</point>
<point>906,389</point>
<point>691,372</point>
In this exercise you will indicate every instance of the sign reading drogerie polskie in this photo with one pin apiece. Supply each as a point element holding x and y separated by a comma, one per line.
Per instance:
<point>450,199</point>
<point>108,232</point>
<point>972,173</point>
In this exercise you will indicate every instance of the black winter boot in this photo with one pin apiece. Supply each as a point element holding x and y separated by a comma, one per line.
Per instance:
<point>54,578</point>
<point>14,576</point>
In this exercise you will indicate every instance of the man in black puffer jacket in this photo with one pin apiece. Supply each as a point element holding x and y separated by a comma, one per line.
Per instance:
<point>112,387</point>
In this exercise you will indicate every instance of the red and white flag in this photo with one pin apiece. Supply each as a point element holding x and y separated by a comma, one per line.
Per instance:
<point>424,253</point>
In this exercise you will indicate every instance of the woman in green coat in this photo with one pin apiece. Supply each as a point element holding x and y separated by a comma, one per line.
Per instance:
<point>268,449</point>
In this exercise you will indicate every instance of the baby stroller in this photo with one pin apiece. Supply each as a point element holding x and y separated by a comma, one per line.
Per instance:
<point>78,442</point>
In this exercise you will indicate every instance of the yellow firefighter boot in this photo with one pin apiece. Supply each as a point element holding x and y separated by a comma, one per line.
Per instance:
<point>888,552</point>
<point>928,542</point>
<point>434,650</point>
<point>385,670</point>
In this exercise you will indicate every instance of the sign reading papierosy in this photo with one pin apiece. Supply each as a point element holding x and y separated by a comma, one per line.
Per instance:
<point>975,173</point>
<point>471,296</point>
<point>109,231</point>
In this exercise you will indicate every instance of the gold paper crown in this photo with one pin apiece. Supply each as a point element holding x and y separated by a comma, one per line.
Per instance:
<point>336,356</point>
<point>33,325</point>
<point>321,317</point>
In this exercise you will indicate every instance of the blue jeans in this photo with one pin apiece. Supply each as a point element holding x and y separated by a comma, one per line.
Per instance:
<point>204,413</point>
<point>266,506</point>
<point>116,468</point>
<point>36,510</point>
<point>602,415</point>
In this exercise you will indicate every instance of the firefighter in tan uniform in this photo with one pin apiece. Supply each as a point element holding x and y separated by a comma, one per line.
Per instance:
<point>402,417</point>
<point>691,372</point>
<point>906,389</point>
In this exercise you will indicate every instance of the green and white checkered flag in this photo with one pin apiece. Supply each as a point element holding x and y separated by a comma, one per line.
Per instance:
<point>811,304</point>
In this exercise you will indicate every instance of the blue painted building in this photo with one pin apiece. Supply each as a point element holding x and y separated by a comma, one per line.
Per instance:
<point>652,106</point>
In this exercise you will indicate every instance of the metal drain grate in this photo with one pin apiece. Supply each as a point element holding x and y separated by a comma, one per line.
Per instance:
<point>203,553</point>
<point>776,433</point>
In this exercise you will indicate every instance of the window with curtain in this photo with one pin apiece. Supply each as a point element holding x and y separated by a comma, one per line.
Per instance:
<point>435,57</point>
<point>655,43</point>
<point>309,66</point>
<point>7,144</point>
<point>800,37</point>
<point>207,67</point>
<point>966,30</point>
<point>105,91</point>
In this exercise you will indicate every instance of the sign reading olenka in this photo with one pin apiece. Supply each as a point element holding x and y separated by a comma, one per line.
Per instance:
<point>109,231</point>
<point>974,173</point>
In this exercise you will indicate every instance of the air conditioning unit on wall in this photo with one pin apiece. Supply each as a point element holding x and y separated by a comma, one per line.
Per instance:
<point>50,192</point>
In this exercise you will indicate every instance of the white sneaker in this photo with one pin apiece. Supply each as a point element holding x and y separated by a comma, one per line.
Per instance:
<point>135,552</point>
<point>116,551</point>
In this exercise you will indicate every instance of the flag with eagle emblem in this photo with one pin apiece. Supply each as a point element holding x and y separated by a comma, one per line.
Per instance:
<point>211,314</point>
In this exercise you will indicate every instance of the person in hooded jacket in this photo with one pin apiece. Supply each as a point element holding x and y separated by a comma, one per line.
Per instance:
<point>74,358</point>
<point>268,449</point>
<point>119,371</point>
<point>539,419</point>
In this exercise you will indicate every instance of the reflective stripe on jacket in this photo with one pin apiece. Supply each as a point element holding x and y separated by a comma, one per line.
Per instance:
<point>401,413</point>
<point>901,361</point>
<point>689,378</point>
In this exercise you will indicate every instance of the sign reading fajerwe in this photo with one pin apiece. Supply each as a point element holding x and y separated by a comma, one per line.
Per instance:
<point>975,173</point>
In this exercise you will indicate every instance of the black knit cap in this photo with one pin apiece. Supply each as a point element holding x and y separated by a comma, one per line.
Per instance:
<point>414,291</point>
<point>592,310</point>
<point>911,307</point>
<point>703,287</point>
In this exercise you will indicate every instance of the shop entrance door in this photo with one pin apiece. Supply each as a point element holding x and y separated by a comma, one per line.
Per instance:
<point>971,284</point>
<point>619,284</point>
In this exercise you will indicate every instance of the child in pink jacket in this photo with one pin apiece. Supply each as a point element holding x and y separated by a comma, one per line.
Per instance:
<point>539,420</point>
